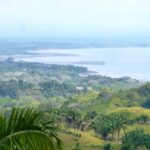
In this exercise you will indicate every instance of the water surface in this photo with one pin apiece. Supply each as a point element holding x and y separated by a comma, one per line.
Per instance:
<point>130,61</point>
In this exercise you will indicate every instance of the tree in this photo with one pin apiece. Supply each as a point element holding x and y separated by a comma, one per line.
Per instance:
<point>111,123</point>
<point>102,126</point>
<point>145,89</point>
<point>146,104</point>
<point>134,139</point>
<point>142,119</point>
<point>90,115</point>
<point>77,146</point>
<point>119,121</point>
<point>28,129</point>
<point>73,118</point>
<point>107,146</point>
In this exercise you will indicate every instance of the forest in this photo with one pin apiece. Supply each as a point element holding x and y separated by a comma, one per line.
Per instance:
<point>54,107</point>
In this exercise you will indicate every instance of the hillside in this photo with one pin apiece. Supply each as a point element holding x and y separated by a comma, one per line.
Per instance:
<point>90,112</point>
<point>107,99</point>
<point>37,82</point>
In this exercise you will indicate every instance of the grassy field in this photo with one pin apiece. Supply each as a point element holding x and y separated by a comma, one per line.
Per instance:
<point>146,128</point>
<point>87,141</point>
<point>135,111</point>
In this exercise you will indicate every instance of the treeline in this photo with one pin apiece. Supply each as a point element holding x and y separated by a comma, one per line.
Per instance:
<point>45,81</point>
<point>16,89</point>
<point>9,65</point>
<point>13,88</point>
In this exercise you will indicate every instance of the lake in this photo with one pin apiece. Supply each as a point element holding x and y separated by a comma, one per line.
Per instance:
<point>130,61</point>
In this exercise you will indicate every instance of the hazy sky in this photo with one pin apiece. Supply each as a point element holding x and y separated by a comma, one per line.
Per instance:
<point>74,18</point>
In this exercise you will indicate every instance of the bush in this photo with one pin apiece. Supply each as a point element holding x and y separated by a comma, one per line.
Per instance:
<point>134,139</point>
<point>107,146</point>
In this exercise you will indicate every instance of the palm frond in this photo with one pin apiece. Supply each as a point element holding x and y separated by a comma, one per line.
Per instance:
<point>28,128</point>
<point>28,140</point>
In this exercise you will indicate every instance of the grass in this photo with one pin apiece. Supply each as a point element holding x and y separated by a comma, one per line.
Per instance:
<point>135,111</point>
<point>145,127</point>
<point>87,141</point>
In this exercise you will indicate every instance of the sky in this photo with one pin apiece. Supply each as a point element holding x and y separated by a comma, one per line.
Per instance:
<point>74,18</point>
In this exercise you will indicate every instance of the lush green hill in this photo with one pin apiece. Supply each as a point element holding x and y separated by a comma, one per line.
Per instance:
<point>90,110</point>
<point>109,100</point>
<point>39,82</point>
<point>86,141</point>
<point>126,111</point>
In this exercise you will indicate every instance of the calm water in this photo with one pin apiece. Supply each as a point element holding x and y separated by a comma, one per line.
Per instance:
<point>133,62</point>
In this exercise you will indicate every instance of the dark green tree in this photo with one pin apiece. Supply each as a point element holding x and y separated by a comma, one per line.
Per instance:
<point>135,139</point>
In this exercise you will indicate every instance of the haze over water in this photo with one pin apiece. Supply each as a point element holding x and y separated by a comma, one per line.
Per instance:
<point>130,61</point>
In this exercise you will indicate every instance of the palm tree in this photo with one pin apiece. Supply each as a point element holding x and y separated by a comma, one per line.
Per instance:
<point>28,129</point>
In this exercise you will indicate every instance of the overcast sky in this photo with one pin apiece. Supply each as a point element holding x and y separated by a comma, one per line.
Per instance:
<point>74,18</point>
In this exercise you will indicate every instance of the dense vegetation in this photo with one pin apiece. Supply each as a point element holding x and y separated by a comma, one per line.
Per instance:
<point>84,111</point>
<point>39,81</point>
<point>27,128</point>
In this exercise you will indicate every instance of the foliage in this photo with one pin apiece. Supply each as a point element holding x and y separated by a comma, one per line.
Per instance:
<point>102,126</point>
<point>77,101</point>
<point>107,146</point>
<point>53,88</point>
<point>13,88</point>
<point>142,119</point>
<point>44,81</point>
<point>146,103</point>
<point>77,147</point>
<point>90,115</point>
<point>135,139</point>
<point>111,123</point>
<point>27,128</point>
<point>145,89</point>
